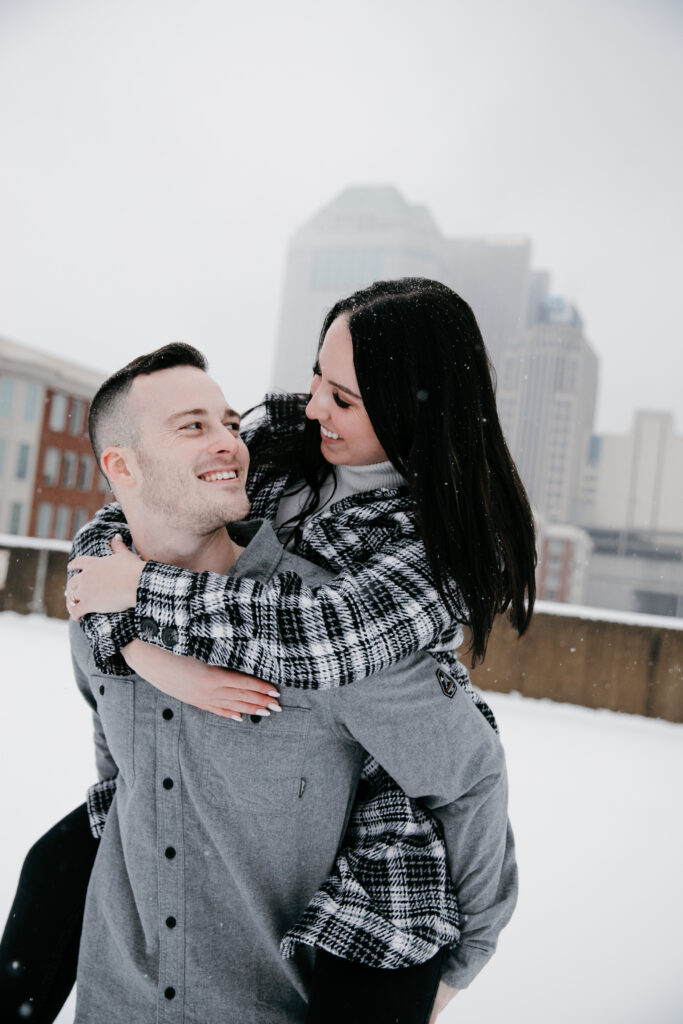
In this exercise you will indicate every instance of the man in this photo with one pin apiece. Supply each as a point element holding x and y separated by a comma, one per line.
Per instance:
<point>221,832</point>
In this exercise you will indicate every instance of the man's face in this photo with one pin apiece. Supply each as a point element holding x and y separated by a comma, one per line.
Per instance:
<point>193,464</point>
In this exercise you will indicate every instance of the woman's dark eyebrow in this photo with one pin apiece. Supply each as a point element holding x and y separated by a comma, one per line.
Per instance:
<point>346,390</point>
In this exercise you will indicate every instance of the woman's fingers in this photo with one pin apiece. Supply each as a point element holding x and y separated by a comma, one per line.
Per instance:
<point>231,707</point>
<point>229,698</point>
<point>82,562</point>
<point>228,680</point>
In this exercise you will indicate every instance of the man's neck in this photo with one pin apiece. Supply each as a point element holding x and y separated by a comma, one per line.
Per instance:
<point>214,552</point>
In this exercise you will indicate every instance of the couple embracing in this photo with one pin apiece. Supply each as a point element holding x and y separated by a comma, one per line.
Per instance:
<point>302,807</point>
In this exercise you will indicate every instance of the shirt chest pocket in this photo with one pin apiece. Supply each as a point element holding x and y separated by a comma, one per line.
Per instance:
<point>256,763</point>
<point>115,698</point>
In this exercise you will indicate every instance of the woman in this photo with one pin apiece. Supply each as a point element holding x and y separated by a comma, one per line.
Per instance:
<point>428,528</point>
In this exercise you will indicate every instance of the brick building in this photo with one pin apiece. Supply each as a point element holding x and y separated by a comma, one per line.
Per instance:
<point>49,483</point>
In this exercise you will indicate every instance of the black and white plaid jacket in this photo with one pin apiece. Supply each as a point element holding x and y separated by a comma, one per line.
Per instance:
<point>389,901</point>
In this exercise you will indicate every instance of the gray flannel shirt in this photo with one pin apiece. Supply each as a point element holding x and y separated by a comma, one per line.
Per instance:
<point>220,833</point>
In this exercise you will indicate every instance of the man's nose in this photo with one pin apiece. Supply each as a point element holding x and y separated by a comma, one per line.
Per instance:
<point>225,439</point>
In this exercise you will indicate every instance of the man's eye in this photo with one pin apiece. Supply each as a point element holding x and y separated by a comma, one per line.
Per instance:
<point>195,425</point>
<point>316,370</point>
<point>340,401</point>
<point>233,426</point>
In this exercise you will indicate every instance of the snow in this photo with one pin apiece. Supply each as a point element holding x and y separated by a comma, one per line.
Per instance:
<point>595,803</point>
<point>10,540</point>
<point>579,611</point>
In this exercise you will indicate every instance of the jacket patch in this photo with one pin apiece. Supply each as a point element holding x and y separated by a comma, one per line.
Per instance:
<point>446,682</point>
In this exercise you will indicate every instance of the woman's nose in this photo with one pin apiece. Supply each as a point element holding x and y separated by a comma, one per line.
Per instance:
<point>315,409</point>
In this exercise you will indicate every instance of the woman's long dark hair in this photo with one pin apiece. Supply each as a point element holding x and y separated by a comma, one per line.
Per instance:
<point>425,379</point>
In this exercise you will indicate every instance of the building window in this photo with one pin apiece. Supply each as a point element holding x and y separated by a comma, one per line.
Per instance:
<point>51,464</point>
<point>62,522</point>
<point>70,469</point>
<point>80,519</point>
<point>31,403</point>
<point>58,412</point>
<point>76,417</point>
<point>44,524</point>
<point>22,461</point>
<point>15,517</point>
<point>3,449</point>
<point>85,472</point>
<point>5,396</point>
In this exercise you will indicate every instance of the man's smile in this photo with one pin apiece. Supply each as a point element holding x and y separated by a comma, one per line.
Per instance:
<point>218,475</point>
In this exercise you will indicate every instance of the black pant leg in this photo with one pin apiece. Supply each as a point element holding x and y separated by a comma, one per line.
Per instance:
<point>39,947</point>
<point>346,993</point>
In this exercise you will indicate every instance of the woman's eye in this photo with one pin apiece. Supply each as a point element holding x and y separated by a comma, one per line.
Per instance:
<point>235,427</point>
<point>316,370</point>
<point>196,425</point>
<point>340,401</point>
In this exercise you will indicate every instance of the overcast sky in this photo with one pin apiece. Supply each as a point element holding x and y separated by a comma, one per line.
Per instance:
<point>158,155</point>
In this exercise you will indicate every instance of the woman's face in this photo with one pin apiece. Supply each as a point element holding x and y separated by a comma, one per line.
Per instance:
<point>346,434</point>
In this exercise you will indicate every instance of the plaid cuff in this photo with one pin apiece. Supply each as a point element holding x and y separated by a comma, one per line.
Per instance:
<point>107,634</point>
<point>99,800</point>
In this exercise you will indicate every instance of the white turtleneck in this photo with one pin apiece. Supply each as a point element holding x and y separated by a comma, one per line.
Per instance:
<point>349,480</point>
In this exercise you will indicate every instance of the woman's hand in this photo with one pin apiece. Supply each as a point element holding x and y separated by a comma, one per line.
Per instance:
<point>444,994</point>
<point>104,584</point>
<point>219,690</point>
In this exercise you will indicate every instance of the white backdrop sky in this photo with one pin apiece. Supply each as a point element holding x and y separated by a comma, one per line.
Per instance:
<point>157,156</point>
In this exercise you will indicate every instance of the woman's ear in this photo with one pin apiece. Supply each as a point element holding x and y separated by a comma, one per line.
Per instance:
<point>119,465</point>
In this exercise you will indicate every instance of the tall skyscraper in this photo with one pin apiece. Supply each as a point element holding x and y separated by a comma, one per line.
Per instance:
<point>370,233</point>
<point>547,390</point>
<point>493,275</point>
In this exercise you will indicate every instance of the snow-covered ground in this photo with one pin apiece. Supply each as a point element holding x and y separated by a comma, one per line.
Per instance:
<point>596,804</point>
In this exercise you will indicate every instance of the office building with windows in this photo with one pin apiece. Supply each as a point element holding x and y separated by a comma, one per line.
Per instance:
<point>547,388</point>
<point>632,507</point>
<point>49,483</point>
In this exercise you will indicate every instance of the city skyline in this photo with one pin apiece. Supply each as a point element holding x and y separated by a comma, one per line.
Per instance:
<point>157,164</point>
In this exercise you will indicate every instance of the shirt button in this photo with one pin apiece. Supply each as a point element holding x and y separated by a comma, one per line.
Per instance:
<point>167,714</point>
<point>169,852</point>
<point>101,691</point>
<point>149,628</point>
<point>169,992</point>
<point>169,636</point>
<point>167,783</point>
<point>255,718</point>
<point>171,922</point>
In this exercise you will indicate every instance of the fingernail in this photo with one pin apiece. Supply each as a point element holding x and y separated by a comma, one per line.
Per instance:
<point>273,693</point>
<point>262,711</point>
<point>117,536</point>
<point>237,718</point>
<point>275,707</point>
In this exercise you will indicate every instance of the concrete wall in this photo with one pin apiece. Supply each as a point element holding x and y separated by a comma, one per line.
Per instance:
<point>32,578</point>
<point>632,664</point>
<point>628,665</point>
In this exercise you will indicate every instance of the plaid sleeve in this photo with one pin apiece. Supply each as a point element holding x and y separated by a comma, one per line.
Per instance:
<point>106,634</point>
<point>366,618</point>
<point>98,802</point>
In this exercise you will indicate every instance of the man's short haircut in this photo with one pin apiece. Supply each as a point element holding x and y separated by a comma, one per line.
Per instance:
<point>108,420</point>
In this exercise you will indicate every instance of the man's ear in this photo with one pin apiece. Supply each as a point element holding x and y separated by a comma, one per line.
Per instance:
<point>119,465</point>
